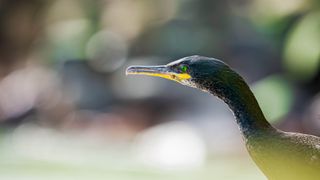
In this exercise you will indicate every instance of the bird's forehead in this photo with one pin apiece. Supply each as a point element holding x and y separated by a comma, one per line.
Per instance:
<point>179,61</point>
<point>187,60</point>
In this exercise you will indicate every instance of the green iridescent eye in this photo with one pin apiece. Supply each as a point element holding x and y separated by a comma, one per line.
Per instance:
<point>183,69</point>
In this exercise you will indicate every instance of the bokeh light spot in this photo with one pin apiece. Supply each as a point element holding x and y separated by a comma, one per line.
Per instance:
<point>106,51</point>
<point>302,51</point>
<point>274,96</point>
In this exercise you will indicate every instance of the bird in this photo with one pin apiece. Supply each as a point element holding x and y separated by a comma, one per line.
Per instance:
<point>279,155</point>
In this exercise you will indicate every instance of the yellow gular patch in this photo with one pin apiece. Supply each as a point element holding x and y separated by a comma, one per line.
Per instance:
<point>170,76</point>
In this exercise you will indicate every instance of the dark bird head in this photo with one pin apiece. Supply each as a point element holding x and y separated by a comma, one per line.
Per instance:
<point>207,74</point>
<point>213,76</point>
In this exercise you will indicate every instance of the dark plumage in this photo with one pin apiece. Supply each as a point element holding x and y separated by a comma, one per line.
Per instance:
<point>280,155</point>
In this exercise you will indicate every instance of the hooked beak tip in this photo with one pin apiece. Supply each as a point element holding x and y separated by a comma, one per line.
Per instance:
<point>129,70</point>
<point>133,70</point>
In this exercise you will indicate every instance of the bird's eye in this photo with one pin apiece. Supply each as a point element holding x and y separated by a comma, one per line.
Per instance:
<point>183,68</point>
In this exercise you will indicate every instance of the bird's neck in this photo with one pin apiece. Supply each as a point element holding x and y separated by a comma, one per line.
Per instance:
<point>238,96</point>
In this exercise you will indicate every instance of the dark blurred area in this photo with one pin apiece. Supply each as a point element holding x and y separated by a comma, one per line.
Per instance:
<point>62,69</point>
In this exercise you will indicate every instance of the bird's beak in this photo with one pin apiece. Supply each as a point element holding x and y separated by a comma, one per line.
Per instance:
<point>159,71</point>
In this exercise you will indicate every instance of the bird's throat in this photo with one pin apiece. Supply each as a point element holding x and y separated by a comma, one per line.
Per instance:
<point>238,96</point>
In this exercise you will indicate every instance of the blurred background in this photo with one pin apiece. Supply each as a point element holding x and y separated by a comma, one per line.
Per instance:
<point>67,110</point>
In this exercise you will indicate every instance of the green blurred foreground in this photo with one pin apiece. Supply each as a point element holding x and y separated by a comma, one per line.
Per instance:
<point>47,154</point>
